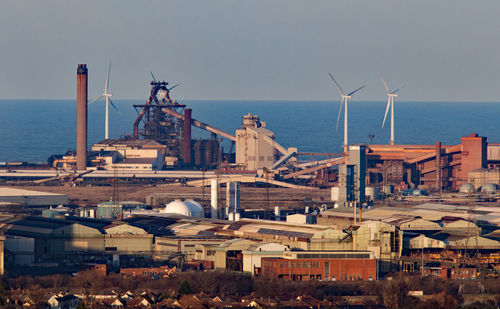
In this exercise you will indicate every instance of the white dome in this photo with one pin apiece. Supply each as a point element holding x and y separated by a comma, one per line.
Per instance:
<point>195,205</point>
<point>183,208</point>
<point>467,188</point>
<point>489,188</point>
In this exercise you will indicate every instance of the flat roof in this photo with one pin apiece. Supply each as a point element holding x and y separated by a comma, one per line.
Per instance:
<point>13,192</point>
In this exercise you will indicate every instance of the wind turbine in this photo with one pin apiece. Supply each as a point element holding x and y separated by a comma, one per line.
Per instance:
<point>390,104</point>
<point>345,99</point>
<point>108,101</point>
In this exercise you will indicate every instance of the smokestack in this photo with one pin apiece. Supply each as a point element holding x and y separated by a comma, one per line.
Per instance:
<point>438,166</point>
<point>187,136</point>
<point>81,117</point>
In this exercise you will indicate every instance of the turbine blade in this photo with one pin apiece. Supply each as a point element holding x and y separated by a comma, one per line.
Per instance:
<point>113,104</point>
<point>353,92</point>
<point>154,79</point>
<point>337,84</point>
<point>385,84</point>
<point>96,99</point>
<point>398,89</point>
<point>340,112</point>
<point>107,78</point>
<point>173,87</point>
<point>386,111</point>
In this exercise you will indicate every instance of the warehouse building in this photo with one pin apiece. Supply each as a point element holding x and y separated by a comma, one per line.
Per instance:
<point>72,239</point>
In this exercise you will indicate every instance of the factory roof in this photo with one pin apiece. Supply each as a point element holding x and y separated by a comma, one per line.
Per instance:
<point>29,225</point>
<point>31,198</point>
<point>5,191</point>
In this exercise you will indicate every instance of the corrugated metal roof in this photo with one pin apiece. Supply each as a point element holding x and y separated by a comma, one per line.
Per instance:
<point>284,233</point>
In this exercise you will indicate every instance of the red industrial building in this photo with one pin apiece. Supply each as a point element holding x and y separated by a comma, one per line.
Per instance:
<point>429,166</point>
<point>469,273</point>
<point>321,266</point>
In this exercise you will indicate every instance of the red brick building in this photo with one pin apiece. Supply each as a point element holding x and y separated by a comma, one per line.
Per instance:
<point>322,266</point>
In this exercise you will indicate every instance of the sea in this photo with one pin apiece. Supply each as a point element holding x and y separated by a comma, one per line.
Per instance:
<point>33,130</point>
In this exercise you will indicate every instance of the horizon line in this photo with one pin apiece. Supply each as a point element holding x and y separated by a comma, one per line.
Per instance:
<point>268,100</point>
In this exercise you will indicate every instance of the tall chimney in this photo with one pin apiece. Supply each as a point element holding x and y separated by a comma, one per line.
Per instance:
<point>438,167</point>
<point>81,117</point>
<point>187,136</point>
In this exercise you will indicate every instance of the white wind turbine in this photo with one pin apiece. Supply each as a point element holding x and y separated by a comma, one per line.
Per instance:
<point>108,101</point>
<point>390,104</point>
<point>345,99</point>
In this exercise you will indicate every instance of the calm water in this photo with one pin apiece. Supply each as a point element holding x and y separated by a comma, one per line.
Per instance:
<point>32,130</point>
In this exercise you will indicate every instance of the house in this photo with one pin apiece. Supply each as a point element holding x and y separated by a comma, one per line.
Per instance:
<point>114,302</point>
<point>69,301</point>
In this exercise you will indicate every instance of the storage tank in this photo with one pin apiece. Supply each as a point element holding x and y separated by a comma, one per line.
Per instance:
<point>489,188</point>
<point>277,213</point>
<point>335,191</point>
<point>214,198</point>
<point>189,209</point>
<point>372,193</point>
<point>467,188</point>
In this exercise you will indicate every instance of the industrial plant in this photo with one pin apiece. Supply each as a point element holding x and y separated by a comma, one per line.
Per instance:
<point>362,214</point>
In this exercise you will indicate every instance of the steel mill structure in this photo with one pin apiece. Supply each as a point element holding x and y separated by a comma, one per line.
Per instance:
<point>162,140</point>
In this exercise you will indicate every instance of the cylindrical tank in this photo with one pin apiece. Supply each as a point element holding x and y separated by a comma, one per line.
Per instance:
<point>335,191</point>
<point>372,193</point>
<point>277,213</point>
<point>92,213</point>
<point>187,136</point>
<point>214,198</point>
<point>237,216</point>
<point>81,117</point>
<point>306,210</point>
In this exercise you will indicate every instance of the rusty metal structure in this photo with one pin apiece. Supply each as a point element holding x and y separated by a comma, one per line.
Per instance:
<point>168,122</point>
<point>153,123</point>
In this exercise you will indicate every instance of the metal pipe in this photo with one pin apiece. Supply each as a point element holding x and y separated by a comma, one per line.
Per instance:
<point>81,117</point>
<point>187,136</point>
<point>200,124</point>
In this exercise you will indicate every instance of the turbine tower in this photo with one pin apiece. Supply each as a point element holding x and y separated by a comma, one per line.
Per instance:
<point>390,104</point>
<point>108,101</point>
<point>345,99</point>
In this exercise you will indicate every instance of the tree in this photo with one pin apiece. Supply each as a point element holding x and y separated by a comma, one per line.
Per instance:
<point>184,288</point>
<point>395,294</point>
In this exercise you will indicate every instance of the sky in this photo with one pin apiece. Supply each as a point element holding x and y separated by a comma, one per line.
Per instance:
<point>445,50</point>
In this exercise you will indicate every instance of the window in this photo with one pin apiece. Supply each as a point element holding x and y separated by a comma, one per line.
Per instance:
<point>299,264</point>
<point>293,264</point>
<point>306,265</point>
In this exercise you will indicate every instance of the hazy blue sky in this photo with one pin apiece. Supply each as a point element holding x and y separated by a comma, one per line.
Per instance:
<point>235,49</point>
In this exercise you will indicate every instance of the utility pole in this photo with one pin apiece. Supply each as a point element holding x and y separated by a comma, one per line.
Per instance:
<point>203,170</point>
<point>422,236</point>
